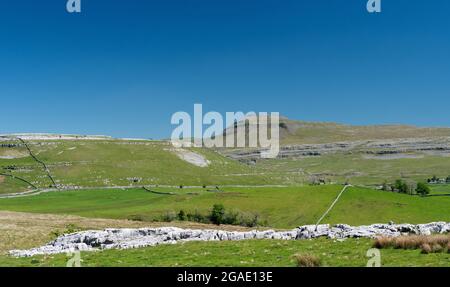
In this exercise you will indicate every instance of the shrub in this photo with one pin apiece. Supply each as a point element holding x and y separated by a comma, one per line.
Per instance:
<point>136,217</point>
<point>426,248</point>
<point>182,215</point>
<point>217,214</point>
<point>401,186</point>
<point>232,218</point>
<point>423,189</point>
<point>252,221</point>
<point>169,216</point>
<point>197,217</point>
<point>307,260</point>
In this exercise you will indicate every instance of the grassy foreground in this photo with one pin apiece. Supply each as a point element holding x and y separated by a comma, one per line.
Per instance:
<point>267,253</point>
<point>280,207</point>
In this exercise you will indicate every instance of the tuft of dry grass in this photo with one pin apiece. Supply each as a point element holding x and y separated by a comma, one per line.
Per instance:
<point>436,248</point>
<point>426,248</point>
<point>427,243</point>
<point>383,242</point>
<point>307,260</point>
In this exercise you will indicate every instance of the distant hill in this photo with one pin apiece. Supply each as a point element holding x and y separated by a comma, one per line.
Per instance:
<point>294,132</point>
<point>300,132</point>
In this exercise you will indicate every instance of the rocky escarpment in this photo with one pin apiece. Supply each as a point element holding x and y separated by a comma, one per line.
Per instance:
<point>135,238</point>
<point>433,146</point>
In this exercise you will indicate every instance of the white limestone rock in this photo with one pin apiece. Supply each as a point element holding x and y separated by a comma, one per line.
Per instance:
<point>93,240</point>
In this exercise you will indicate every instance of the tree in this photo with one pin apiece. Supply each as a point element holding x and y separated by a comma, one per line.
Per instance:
<point>401,186</point>
<point>412,186</point>
<point>423,189</point>
<point>448,179</point>
<point>181,215</point>
<point>217,214</point>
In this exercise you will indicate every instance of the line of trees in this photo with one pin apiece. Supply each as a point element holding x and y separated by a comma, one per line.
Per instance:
<point>218,215</point>
<point>404,187</point>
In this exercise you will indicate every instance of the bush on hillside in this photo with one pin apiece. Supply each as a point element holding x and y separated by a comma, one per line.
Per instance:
<point>182,215</point>
<point>218,215</point>
<point>423,189</point>
<point>401,186</point>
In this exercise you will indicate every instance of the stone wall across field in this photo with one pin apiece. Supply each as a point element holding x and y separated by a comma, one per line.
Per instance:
<point>136,238</point>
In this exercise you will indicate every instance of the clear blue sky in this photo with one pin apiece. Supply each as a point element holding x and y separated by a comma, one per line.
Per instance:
<point>123,67</point>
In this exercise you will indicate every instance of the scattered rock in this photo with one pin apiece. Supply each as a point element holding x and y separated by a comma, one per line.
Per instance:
<point>192,157</point>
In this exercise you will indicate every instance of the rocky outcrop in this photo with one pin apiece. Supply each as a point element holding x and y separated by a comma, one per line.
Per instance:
<point>439,146</point>
<point>136,238</point>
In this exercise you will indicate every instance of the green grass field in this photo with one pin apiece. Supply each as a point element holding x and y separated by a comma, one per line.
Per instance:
<point>267,253</point>
<point>356,169</point>
<point>281,207</point>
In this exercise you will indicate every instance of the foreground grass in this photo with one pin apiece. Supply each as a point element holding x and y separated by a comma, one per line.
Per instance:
<point>280,207</point>
<point>267,253</point>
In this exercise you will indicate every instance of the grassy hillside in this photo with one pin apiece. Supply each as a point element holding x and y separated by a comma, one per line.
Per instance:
<point>9,185</point>
<point>369,156</point>
<point>281,207</point>
<point>357,169</point>
<point>120,163</point>
<point>99,163</point>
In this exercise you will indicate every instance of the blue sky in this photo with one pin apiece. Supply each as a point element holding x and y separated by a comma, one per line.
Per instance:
<point>122,68</point>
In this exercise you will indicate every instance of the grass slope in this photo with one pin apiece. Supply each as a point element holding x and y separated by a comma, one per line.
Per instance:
<point>9,185</point>
<point>117,163</point>
<point>357,169</point>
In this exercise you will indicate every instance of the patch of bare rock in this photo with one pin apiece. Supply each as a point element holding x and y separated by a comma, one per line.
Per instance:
<point>144,237</point>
